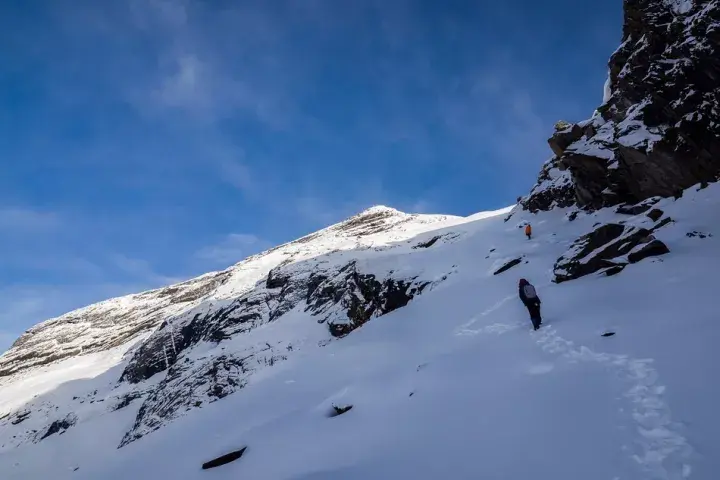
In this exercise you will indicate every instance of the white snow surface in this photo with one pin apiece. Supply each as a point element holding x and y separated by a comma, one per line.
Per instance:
<point>607,90</point>
<point>455,385</point>
<point>680,6</point>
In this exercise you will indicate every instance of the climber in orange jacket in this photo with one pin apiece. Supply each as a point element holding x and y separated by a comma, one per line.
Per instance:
<point>528,231</point>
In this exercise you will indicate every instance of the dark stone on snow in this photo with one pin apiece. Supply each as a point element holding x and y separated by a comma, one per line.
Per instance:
<point>225,459</point>
<point>652,249</point>
<point>608,334</point>
<point>339,410</point>
<point>665,221</point>
<point>21,417</point>
<point>655,214</point>
<point>572,215</point>
<point>695,233</point>
<point>508,266</point>
<point>597,250</point>
<point>429,243</point>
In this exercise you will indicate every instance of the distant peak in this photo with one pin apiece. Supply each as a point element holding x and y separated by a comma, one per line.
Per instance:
<point>379,209</point>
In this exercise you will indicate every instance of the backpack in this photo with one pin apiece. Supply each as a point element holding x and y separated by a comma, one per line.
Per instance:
<point>529,292</point>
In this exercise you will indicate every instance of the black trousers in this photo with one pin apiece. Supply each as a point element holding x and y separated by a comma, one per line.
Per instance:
<point>534,310</point>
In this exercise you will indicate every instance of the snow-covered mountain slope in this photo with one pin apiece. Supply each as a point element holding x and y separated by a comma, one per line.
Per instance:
<point>395,346</point>
<point>118,321</point>
<point>167,330</point>
<point>455,384</point>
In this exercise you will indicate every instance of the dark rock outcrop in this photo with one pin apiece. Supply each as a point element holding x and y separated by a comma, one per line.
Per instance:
<point>564,137</point>
<point>638,208</point>
<point>554,189</point>
<point>225,459</point>
<point>508,265</point>
<point>428,243</point>
<point>655,214</point>
<point>59,426</point>
<point>652,249</point>
<point>599,250</point>
<point>360,297</point>
<point>20,417</point>
<point>337,410</point>
<point>658,131</point>
<point>189,384</point>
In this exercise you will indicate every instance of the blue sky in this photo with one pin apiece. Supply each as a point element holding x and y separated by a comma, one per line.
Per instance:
<point>145,141</point>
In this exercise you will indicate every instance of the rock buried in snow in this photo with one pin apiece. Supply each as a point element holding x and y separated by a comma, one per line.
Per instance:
<point>609,272</point>
<point>428,243</point>
<point>652,249</point>
<point>225,459</point>
<point>339,410</point>
<point>608,334</point>
<point>508,266</point>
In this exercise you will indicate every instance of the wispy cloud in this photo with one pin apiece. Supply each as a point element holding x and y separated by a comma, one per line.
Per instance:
<point>24,219</point>
<point>232,249</point>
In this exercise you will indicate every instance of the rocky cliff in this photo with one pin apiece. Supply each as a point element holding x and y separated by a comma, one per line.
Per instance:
<point>658,129</point>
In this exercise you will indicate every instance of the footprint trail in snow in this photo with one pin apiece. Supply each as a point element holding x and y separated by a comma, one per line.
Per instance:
<point>662,452</point>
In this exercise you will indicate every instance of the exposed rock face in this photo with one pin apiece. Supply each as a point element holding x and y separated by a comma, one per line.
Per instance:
<point>604,249</point>
<point>342,297</point>
<point>652,249</point>
<point>59,427</point>
<point>638,208</point>
<point>554,188</point>
<point>659,131</point>
<point>655,214</point>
